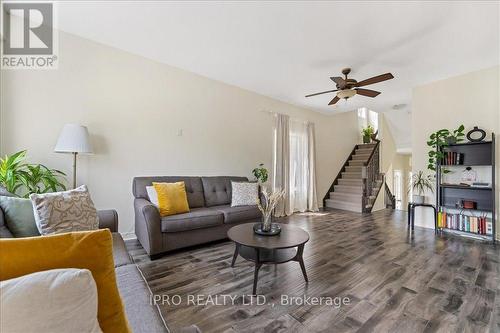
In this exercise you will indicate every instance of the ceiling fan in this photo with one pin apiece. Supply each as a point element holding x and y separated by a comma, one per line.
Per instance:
<point>347,87</point>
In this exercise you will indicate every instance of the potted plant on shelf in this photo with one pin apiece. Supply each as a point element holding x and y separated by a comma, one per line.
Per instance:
<point>21,179</point>
<point>419,183</point>
<point>440,139</point>
<point>367,133</point>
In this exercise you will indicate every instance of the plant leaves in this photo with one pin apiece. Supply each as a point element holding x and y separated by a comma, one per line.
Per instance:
<point>17,177</point>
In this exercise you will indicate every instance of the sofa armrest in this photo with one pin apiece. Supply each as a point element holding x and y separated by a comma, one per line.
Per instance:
<point>148,226</point>
<point>4,231</point>
<point>108,219</point>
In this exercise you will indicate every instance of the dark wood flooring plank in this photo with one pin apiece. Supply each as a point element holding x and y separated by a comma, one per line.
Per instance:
<point>396,281</point>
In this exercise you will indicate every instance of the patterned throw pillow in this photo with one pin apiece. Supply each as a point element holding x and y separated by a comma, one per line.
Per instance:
<point>244,194</point>
<point>66,211</point>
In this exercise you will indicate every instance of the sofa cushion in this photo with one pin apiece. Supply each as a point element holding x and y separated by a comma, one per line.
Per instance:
<point>217,190</point>
<point>19,218</point>
<point>244,194</point>
<point>120,253</point>
<point>142,315</point>
<point>65,211</point>
<point>56,301</point>
<point>194,188</point>
<point>240,213</point>
<point>196,219</point>
<point>172,198</point>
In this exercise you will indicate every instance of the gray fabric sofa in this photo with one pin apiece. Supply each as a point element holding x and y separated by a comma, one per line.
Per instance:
<point>142,316</point>
<point>209,218</point>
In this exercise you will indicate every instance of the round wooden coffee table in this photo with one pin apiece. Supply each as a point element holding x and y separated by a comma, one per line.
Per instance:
<point>285,247</point>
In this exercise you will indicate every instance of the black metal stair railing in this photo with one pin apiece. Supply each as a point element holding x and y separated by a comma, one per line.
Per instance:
<point>390,199</point>
<point>370,175</point>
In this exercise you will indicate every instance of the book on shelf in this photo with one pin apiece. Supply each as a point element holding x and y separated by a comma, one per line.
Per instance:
<point>471,185</point>
<point>452,158</point>
<point>481,184</point>
<point>457,221</point>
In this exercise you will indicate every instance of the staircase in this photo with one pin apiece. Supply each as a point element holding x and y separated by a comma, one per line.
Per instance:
<point>358,182</point>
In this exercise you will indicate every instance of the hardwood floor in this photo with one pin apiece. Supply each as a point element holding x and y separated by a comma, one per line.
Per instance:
<point>396,282</point>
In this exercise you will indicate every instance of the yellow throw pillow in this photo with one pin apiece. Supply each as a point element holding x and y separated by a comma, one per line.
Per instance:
<point>172,198</point>
<point>92,250</point>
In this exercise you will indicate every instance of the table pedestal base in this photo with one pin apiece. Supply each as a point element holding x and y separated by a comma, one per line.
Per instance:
<point>269,256</point>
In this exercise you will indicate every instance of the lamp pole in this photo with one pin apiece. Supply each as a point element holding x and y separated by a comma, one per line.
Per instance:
<point>74,169</point>
<point>74,139</point>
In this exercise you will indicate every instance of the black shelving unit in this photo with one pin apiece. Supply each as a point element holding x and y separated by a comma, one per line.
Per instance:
<point>447,195</point>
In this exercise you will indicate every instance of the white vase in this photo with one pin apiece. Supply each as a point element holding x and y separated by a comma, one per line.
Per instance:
<point>418,199</point>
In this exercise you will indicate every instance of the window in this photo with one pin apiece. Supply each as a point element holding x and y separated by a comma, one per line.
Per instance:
<point>367,117</point>
<point>398,188</point>
<point>294,168</point>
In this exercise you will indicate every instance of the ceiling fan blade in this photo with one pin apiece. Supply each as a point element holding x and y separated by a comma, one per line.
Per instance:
<point>340,82</point>
<point>375,79</point>
<point>367,92</point>
<point>334,100</point>
<point>323,92</point>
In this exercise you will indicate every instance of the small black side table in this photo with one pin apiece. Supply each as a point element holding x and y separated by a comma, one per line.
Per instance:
<point>411,214</point>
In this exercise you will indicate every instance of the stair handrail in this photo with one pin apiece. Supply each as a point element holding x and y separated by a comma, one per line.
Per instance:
<point>390,196</point>
<point>373,152</point>
<point>370,173</point>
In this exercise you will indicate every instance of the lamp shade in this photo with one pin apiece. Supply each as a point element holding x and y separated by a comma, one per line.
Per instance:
<point>74,138</point>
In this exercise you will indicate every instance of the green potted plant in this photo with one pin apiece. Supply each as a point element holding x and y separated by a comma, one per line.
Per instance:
<point>260,173</point>
<point>22,179</point>
<point>440,139</point>
<point>420,183</point>
<point>367,133</point>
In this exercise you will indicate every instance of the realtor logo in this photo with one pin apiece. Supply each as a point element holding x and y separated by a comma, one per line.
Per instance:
<point>28,35</point>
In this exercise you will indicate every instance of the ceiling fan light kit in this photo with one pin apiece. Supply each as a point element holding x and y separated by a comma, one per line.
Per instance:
<point>348,93</point>
<point>348,87</point>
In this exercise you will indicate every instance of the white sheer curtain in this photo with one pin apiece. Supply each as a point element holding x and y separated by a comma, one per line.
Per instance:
<point>312,197</point>
<point>298,165</point>
<point>294,165</point>
<point>281,163</point>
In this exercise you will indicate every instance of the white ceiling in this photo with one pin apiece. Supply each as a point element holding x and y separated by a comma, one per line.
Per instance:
<point>286,49</point>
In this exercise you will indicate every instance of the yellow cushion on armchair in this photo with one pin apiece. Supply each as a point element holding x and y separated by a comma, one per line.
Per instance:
<point>92,250</point>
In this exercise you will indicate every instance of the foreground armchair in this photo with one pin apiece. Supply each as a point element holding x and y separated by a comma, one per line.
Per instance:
<point>142,315</point>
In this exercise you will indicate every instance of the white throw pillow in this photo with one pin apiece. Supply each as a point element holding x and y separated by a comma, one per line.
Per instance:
<point>244,194</point>
<point>58,300</point>
<point>66,211</point>
<point>152,195</point>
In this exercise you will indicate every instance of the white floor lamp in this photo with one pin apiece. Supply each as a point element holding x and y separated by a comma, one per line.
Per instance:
<point>74,139</point>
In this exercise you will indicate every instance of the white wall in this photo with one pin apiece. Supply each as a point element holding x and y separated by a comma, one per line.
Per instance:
<point>387,153</point>
<point>470,99</point>
<point>136,108</point>
<point>403,163</point>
